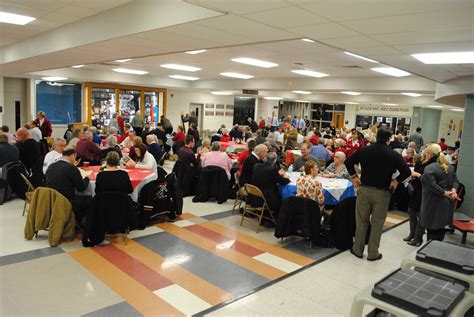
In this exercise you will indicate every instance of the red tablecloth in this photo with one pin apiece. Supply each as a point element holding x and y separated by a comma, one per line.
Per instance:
<point>464,225</point>
<point>136,174</point>
<point>225,145</point>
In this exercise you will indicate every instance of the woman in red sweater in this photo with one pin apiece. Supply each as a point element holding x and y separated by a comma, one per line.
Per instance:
<point>243,155</point>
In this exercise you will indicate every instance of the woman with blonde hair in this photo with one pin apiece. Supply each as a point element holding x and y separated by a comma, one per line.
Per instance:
<point>439,185</point>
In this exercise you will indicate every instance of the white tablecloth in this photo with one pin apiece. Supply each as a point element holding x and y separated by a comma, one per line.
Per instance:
<point>336,187</point>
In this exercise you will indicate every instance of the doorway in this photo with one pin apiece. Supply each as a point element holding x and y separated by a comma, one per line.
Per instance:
<point>197,109</point>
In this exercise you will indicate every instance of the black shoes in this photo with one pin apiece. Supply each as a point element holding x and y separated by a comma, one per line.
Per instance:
<point>354,254</point>
<point>410,236</point>
<point>378,257</point>
<point>415,243</point>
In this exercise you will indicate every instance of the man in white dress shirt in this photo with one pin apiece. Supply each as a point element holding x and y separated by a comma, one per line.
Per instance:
<point>55,154</point>
<point>35,131</point>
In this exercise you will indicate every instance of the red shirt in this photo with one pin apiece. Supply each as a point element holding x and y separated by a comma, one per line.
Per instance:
<point>261,125</point>
<point>121,123</point>
<point>87,150</point>
<point>443,146</point>
<point>353,146</point>
<point>179,136</point>
<point>314,140</point>
<point>46,129</point>
<point>225,138</point>
<point>241,159</point>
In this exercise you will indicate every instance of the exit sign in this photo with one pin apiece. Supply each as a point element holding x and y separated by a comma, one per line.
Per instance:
<point>250,92</point>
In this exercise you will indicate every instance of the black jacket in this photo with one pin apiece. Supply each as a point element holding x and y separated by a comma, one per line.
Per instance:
<point>247,169</point>
<point>30,152</point>
<point>298,213</point>
<point>236,134</point>
<point>65,178</point>
<point>253,126</point>
<point>343,223</point>
<point>267,179</point>
<point>186,178</point>
<point>213,183</point>
<point>8,153</point>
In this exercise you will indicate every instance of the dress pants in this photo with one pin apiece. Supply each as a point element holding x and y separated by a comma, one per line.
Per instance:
<point>371,209</point>
<point>416,230</point>
<point>436,234</point>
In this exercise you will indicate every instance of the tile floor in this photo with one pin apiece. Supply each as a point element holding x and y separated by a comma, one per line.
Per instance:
<point>205,263</point>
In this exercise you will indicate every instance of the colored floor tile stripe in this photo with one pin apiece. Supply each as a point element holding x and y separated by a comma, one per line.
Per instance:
<point>244,261</point>
<point>259,244</point>
<point>186,215</point>
<point>140,272</point>
<point>29,255</point>
<point>398,217</point>
<point>277,262</point>
<point>222,273</point>
<point>225,241</point>
<point>125,286</point>
<point>186,302</point>
<point>189,281</point>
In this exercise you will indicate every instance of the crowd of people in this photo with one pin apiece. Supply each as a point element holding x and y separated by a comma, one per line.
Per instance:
<point>275,147</point>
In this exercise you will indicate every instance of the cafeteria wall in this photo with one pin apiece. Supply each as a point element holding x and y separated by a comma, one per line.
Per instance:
<point>265,108</point>
<point>450,125</point>
<point>178,101</point>
<point>14,89</point>
<point>430,120</point>
<point>2,99</point>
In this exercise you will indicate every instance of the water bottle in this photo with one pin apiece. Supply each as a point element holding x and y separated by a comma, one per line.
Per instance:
<point>290,169</point>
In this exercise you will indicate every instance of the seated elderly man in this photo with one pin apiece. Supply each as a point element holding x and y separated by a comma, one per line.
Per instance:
<point>217,158</point>
<point>320,152</point>
<point>87,150</point>
<point>115,132</point>
<point>30,151</point>
<point>257,156</point>
<point>128,141</point>
<point>267,177</point>
<point>153,147</point>
<point>8,152</point>
<point>111,147</point>
<point>337,169</point>
<point>54,155</point>
<point>298,165</point>
<point>411,145</point>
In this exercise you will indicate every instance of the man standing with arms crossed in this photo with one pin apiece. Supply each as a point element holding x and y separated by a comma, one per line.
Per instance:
<point>378,163</point>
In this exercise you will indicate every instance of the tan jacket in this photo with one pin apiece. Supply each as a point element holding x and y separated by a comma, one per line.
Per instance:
<point>50,210</point>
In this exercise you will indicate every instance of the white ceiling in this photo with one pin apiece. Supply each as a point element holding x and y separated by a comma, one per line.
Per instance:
<point>49,14</point>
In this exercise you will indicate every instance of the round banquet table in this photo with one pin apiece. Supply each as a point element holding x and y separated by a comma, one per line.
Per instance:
<point>139,177</point>
<point>335,190</point>
<point>232,146</point>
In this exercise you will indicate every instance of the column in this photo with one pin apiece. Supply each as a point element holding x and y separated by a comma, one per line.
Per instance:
<point>465,171</point>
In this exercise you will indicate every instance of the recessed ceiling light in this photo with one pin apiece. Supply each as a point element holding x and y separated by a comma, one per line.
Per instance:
<point>391,71</point>
<point>302,101</point>
<point>130,71</point>
<point>352,93</point>
<point>273,98</point>
<point>78,66</point>
<point>446,58</point>
<point>236,75</point>
<point>183,77</point>
<point>222,93</point>
<point>361,57</point>
<point>310,73</point>
<point>123,60</point>
<point>181,67</point>
<point>389,104</point>
<point>254,62</point>
<point>54,78</point>
<point>195,52</point>
<point>351,103</point>
<point>301,92</point>
<point>457,109</point>
<point>435,106</point>
<point>411,94</point>
<point>17,19</point>
<point>308,40</point>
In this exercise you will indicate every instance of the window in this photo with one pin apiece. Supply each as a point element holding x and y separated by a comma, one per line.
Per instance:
<point>243,108</point>
<point>60,101</point>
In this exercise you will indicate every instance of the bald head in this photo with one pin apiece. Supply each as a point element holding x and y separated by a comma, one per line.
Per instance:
<point>23,134</point>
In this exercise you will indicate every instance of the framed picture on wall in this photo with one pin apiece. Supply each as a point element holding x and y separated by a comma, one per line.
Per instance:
<point>209,113</point>
<point>220,106</point>
<point>229,107</point>
<point>209,106</point>
<point>229,113</point>
<point>219,113</point>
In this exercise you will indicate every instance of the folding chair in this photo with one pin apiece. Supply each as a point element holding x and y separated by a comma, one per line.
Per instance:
<point>29,192</point>
<point>256,211</point>
<point>241,195</point>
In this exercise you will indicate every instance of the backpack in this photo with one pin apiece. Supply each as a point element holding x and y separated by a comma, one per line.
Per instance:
<point>461,192</point>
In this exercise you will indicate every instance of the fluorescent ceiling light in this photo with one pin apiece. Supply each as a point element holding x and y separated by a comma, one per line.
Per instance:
<point>301,92</point>
<point>446,58</point>
<point>307,40</point>
<point>195,52</point>
<point>391,71</point>
<point>240,97</point>
<point>457,109</point>
<point>54,78</point>
<point>351,103</point>
<point>12,18</point>
<point>222,93</point>
<point>411,94</point>
<point>389,104</point>
<point>130,71</point>
<point>273,98</point>
<point>310,73</point>
<point>361,57</point>
<point>435,106</point>
<point>352,93</point>
<point>181,67</point>
<point>254,62</point>
<point>123,60</point>
<point>302,101</point>
<point>78,66</point>
<point>236,75</point>
<point>183,77</point>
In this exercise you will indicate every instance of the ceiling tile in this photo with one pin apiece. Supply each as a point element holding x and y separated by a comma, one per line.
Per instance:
<point>375,51</point>
<point>428,36</point>
<point>323,31</point>
<point>241,6</point>
<point>352,42</point>
<point>206,33</point>
<point>286,17</point>
<point>74,11</point>
<point>436,47</point>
